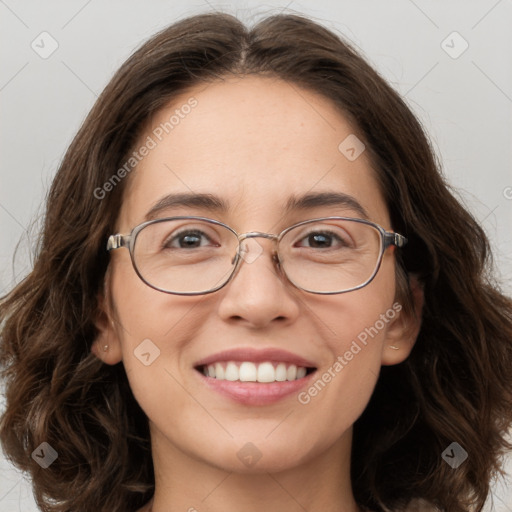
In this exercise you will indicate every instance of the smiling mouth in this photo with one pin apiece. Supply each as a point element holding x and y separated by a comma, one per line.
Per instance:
<point>248,371</point>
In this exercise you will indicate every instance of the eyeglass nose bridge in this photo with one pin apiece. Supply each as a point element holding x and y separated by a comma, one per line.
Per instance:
<point>250,257</point>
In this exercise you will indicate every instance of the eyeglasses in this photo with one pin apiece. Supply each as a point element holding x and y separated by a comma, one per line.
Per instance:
<point>195,255</point>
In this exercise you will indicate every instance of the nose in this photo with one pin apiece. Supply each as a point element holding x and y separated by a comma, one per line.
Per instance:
<point>259,293</point>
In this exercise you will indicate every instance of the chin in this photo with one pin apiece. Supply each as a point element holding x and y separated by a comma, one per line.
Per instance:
<point>256,456</point>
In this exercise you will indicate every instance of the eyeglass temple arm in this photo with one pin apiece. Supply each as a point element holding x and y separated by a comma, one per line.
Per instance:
<point>394,239</point>
<point>117,241</point>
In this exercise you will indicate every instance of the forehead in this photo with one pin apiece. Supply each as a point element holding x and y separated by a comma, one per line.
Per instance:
<point>255,142</point>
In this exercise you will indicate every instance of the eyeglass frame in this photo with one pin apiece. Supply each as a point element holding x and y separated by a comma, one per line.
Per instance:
<point>388,238</point>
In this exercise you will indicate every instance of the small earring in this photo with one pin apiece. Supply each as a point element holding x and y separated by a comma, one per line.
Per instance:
<point>105,348</point>
<point>393,347</point>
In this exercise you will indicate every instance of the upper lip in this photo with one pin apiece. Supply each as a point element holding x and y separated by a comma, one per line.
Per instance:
<point>256,355</point>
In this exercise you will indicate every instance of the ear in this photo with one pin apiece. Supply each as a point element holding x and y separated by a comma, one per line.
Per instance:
<point>106,345</point>
<point>404,329</point>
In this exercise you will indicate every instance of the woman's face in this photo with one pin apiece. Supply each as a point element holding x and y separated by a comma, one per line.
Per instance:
<point>254,143</point>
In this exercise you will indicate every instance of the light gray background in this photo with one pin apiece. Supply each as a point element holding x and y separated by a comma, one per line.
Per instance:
<point>465,103</point>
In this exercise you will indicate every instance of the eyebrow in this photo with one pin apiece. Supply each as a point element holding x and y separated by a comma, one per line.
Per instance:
<point>209,202</point>
<point>318,199</point>
<point>215,204</point>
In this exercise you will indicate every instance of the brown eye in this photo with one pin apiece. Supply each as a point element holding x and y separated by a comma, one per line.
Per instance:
<point>326,239</point>
<point>187,239</point>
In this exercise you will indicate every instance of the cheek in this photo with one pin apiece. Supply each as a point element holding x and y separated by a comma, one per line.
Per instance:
<point>143,312</point>
<point>360,315</point>
<point>357,325</point>
<point>153,329</point>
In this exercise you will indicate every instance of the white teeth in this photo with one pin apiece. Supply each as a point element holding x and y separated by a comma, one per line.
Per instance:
<point>232,372</point>
<point>219,371</point>
<point>281,372</point>
<point>266,372</point>
<point>291,372</point>
<point>248,371</point>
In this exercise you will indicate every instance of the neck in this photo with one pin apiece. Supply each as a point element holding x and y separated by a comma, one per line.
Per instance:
<point>357,509</point>
<point>321,482</point>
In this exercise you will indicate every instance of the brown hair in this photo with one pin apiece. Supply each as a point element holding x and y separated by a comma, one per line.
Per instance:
<point>456,386</point>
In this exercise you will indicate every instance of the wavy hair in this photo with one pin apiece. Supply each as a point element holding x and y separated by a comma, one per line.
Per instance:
<point>456,385</point>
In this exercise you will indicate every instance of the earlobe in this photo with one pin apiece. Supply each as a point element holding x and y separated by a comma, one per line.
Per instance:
<point>106,346</point>
<point>402,333</point>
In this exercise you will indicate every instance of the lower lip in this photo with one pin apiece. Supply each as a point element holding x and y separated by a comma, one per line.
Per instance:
<point>256,393</point>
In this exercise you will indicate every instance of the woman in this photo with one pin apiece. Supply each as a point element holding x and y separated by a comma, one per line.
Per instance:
<point>253,287</point>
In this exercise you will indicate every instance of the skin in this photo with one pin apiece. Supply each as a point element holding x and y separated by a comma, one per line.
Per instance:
<point>254,141</point>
